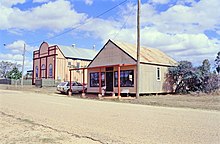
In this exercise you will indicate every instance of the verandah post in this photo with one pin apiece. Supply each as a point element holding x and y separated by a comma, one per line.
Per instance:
<point>119,82</point>
<point>70,91</point>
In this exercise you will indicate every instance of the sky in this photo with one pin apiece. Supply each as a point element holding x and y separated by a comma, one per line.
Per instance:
<point>183,29</point>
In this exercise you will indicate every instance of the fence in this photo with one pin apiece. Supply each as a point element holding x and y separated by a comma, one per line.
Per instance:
<point>46,82</point>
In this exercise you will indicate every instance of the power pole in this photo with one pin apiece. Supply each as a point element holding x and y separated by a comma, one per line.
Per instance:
<point>22,76</point>
<point>138,51</point>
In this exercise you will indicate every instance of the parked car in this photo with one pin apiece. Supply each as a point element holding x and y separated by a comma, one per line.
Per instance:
<point>64,87</point>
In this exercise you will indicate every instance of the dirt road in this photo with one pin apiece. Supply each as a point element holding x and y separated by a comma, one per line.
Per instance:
<point>60,119</point>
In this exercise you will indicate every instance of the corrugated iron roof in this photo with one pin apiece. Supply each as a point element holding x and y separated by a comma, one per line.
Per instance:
<point>147,55</point>
<point>78,53</point>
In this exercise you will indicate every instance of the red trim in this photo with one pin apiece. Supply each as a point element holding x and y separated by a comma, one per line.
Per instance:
<point>70,82</point>
<point>46,68</point>
<point>33,72</point>
<point>54,73</point>
<point>40,68</point>
<point>83,81</point>
<point>45,56</point>
<point>100,82</point>
<point>119,81</point>
<point>121,65</point>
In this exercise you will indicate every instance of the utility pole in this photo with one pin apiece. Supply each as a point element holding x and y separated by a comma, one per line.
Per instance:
<point>138,50</point>
<point>22,76</point>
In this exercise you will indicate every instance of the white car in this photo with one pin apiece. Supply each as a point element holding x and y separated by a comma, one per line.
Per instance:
<point>64,87</point>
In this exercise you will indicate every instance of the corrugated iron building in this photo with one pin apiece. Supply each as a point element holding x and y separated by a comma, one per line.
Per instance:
<point>53,62</point>
<point>115,56</point>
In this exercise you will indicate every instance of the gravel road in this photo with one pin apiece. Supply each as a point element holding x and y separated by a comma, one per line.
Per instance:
<point>41,118</point>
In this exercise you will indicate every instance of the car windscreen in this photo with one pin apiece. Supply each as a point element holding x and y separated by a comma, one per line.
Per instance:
<point>62,84</point>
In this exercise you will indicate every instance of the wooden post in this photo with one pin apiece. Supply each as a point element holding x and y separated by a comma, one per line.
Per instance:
<point>119,82</point>
<point>70,91</point>
<point>83,92</point>
<point>83,81</point>
<point>138,51</point>
<point>100,82</point>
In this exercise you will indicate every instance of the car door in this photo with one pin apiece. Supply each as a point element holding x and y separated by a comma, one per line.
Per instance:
<point>74,87</point>
<point>79,86</point>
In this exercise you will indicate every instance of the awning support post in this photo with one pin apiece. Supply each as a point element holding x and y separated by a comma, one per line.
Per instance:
<point>119,82</point>
<point>70,91</point>
<point>83,92</point>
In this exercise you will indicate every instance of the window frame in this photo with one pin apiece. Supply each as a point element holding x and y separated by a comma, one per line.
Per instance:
<point>36,72</point>
<point>50,72</point>
<point>97,79</point>
<point>125,79</point>
<point>43,71</point>
<point>158,74</point>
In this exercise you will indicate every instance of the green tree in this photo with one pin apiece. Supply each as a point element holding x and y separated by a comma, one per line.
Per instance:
<point>14,74</point>
<point>182,76</point>
<point>217,63</point>
<point>187,78</point>
<point>6,67</point>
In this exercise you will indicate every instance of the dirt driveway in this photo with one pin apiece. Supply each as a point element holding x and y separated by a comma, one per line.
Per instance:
<point>31,117</point>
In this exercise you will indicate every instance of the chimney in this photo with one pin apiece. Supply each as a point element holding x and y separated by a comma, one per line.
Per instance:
<point>73,45</point>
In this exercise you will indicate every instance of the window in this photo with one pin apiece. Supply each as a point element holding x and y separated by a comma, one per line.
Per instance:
<point>158,74</point>
<point>69,63</point>
<point>126,78</point>
<point>94,79</point>
<point>36,69</point>
<point>50,70</point>
<point>43,70</point>
<point>77,65</point>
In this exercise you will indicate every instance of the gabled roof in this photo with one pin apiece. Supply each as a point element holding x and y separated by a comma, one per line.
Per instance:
<point>147,55</point>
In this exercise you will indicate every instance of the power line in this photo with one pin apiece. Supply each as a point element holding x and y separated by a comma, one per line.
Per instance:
<point>79,25</point>
<point>125,22</point>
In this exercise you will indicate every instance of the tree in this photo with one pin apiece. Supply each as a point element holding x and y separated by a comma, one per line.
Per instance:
<point>182,76</point>
<point>14,74</point>
<point>187,78</point>
<point>217,63</point>
<point>207,79</point>
<point>6,67</point>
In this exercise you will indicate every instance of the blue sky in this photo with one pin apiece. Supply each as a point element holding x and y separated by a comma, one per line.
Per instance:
<point>183,29</point>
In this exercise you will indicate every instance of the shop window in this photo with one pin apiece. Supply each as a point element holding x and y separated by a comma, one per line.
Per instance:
<point>50,70</point>
<point>77,65</point>
<point>126,78</point>
<point>94,79</point>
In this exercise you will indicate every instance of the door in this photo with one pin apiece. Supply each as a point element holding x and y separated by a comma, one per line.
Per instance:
<point>109,81</point>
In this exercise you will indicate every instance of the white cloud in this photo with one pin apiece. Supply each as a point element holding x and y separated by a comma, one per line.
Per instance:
<point>89,2</point>
<point>11,57</point>
<point>55,16</point>
<point>40,1</point>
<point>9,3</point>
<point>18,47</point>
<point>159,1</point>
<point>183,19</point>
<point>18,58</point>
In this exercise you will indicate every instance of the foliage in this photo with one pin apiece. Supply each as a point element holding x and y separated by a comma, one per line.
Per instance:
<point>217,63</point>
<point>6,67</point>
<point>187,78</point>
<point>14,74</point>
